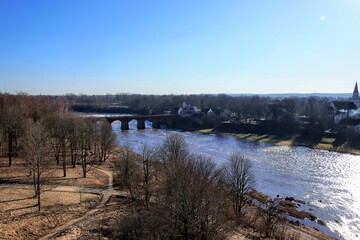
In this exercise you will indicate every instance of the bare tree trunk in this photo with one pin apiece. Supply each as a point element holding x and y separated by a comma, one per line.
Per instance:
<point>101,156</point>
<point>146,183</point>
<point>10,149</point>
<point>84,169</point>
<point>30,169</point>
<point>147,155</point>
<point>84,165</point>
<point>63,152</point>
<point>105,156</point>
<point>34,181</point>
<point>128,182</point>
<point>239,180</point>
<point>64,165</point>
<point>73,157</point>
<point>38,185</point>
<point>57,157</point>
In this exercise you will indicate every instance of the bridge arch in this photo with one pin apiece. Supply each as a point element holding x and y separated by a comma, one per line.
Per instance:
<point>156,120</point>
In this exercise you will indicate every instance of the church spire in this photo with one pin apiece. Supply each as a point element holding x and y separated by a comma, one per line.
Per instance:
<point>356,91</point>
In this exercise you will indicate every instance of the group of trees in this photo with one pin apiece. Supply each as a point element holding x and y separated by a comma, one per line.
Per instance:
<point>40,132</point>
<point>186,196</point>
<point>80,140</point>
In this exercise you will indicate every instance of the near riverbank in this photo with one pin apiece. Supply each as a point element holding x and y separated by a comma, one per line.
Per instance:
<point>334,144</point>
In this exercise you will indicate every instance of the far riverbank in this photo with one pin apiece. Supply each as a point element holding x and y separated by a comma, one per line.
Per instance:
<point>325,143</point>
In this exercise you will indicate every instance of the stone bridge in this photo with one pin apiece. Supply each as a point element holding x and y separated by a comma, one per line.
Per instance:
<point>166,119</point>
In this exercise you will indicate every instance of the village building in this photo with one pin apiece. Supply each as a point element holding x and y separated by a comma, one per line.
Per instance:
<point>355,96</point>
<point>186,110</point>
<point>347,114</point>
<point>211,113</point>
<point>342,110</point>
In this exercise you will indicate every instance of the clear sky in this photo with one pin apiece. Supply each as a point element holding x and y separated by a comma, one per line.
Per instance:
<point>179,47</point>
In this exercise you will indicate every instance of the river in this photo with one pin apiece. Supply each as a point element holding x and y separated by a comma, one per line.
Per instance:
<point>328,182</point>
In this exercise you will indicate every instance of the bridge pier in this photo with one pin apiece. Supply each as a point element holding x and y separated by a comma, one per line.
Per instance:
<point>155,123</point>
<point>140,124</point>
<point>169,123</point>
<point>124,125</point>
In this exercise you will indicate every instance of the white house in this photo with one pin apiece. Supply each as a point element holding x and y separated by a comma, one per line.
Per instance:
<point>347,109</point>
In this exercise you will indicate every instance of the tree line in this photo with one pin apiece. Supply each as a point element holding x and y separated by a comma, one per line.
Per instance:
<point>43,134</point>
<point>246,108</point>
<point>186,196</point>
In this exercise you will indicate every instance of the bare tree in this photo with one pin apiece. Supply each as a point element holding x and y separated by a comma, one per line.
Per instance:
<point>12,123</point>
<point>137,172</point>
<point>148,170</point>
<point>239,180</point>
<point>270,217</point>
<point>38,152</point>
<point>191,203</point>
<point>73,126</point>
<point>86,130</point>
<point>174,149</point>
<point>51,125</point>
<point>106,140</point>
<point>128,171</point>
<point>57,126</point>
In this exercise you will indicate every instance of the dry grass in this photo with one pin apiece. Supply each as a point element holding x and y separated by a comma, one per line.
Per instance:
<point>20,218</point>
<point>18,173</point>
<point>100,225</point>
<point>208,130</point>
<point>74,177</point>
<point>61,200</point>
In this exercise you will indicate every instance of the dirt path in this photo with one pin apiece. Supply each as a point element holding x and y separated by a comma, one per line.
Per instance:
<point>106,194</point>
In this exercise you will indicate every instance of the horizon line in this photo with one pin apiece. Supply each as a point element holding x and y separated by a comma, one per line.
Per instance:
<point>162,94</point>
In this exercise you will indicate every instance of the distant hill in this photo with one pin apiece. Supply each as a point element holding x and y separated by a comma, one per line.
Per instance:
<point>286,95</point>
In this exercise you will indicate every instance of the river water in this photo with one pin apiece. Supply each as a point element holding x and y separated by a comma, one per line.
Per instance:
<point>328,182</point>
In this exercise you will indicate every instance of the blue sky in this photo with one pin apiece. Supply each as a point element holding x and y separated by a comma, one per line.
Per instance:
<point>179,47</point>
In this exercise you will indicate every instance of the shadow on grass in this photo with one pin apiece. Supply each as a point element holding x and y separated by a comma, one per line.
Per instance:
<point>21,208</point>
<point>16,200</point>
<point>15,180</point>
<point>308,140</point>
<point>66,178</point>
<point>355,145</point>
<point>338,141</point>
